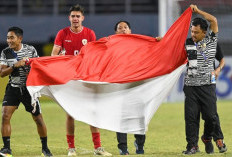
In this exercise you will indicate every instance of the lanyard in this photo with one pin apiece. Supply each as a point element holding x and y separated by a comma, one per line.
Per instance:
<point>201,51</point>
<point>15,55</point>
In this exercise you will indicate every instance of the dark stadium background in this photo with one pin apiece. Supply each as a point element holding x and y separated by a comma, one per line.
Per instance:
<point>42,19</point>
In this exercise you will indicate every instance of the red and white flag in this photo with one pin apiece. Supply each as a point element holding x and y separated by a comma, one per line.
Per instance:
<point>116,83</point>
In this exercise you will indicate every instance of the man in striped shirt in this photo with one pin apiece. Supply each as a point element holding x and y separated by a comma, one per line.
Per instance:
<point>13,63</point>
<point>200,81</point>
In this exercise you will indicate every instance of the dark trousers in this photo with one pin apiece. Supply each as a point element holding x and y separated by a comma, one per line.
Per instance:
<point>200,99</point>
<point>217,131</point>
<point>122,140</point>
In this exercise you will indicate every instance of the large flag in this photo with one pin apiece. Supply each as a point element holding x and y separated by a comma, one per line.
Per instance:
<point>116,83</point>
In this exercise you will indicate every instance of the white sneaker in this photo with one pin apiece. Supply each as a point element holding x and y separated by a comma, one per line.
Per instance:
<point>72,152</point>
<point>100,151</point>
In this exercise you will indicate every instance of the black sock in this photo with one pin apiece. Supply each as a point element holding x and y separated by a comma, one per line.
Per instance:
<point>6,141</point>
<point>44,142</point>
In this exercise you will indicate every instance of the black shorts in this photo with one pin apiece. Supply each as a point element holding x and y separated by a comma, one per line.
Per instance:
<point>15,95</point>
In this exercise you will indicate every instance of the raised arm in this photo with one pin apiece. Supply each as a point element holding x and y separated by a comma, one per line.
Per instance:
<point>212,19</point>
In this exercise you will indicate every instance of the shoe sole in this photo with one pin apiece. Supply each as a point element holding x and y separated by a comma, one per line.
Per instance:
<point>45,155</point>
<point>223,150</point>
<point>99,154</point>
<point>5,155</point>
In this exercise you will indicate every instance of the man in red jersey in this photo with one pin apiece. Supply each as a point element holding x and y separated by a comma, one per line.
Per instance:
<point>69,41</point>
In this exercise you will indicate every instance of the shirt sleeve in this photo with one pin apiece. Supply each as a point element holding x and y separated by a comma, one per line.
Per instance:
<point>3,59</point>
<point>219,54</point>
<point>59,38</point>
<point>34,54</point>
<point>213,36</point>
<point>93,36</point>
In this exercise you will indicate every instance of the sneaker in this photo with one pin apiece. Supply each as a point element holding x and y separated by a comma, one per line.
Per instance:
<point>72,152</point>
<point>139,150</point>
<point>46,152</point>
<point>5,152</point>
<point>221,146</point>
<point>100,151</point>
<point>123,152</point>
<point>208,145</point>
<point>190,151</point>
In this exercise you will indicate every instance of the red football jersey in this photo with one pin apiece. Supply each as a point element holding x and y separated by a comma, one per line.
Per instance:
<point>72,42</point>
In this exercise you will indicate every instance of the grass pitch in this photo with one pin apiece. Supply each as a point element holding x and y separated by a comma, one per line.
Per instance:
<point>165,137</point>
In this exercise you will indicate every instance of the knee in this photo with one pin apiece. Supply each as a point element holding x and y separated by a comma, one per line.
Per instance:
<point>191,119</point>
<point>214,119</point>
<point>6,116</point>
<point>211,118</point>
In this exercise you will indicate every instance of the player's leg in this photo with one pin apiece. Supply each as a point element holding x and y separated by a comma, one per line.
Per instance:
<point>70,129</point>
<point>139,143</point>
<point>209,110</point>
<point>97,142</point>
<point>35,110</point>
<point>42,131</point>
<point>9,105</point>
<point>218,136</point>
<point>7,112</point>
<point>191,111</point>
<point>122,143</point>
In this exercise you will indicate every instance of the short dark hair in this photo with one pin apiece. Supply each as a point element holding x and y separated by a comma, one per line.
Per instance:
<point>199,21</point>
<point>18,31</point>
<point>77,8</point>
<point>116,25</point>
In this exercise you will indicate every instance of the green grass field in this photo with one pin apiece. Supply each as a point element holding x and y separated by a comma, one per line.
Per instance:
<point>165,137</point>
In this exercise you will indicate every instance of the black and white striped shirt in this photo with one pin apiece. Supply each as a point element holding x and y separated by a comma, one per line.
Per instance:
<point>8,57</point>
<point>201,56</point>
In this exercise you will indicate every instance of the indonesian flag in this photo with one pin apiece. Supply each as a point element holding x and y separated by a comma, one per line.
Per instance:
<point>115,83</point>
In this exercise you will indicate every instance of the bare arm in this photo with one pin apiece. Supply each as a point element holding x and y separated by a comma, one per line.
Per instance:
<point>56,50</point>
<point>220,67</point>
<point>5,70</point>
<point>212,19</point>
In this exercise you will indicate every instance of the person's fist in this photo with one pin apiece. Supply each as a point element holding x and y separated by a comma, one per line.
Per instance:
<point>194,8</point>
<point>19,63</point>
